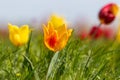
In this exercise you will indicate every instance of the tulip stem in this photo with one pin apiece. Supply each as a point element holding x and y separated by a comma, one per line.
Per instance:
<point>27,49</point>
<point>25,61</point>
<point>52,64</point>
<point>97,29</point>
<point>28,45</point>
<point>28,61</point>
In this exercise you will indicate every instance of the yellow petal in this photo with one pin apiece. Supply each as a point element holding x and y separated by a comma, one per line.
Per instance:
<point>45,30</point>
<point>50,27</point>
<point>62,42</point>
<point>15,39</point>
<point>69,32</point>
<point>24,33</point>
<point>13,28</point>
<point>115,9</point>
<point>57,21</point>
<point>61,30</point>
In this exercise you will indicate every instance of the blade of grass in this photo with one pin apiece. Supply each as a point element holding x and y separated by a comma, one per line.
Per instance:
<point>32,67</point>
<point>99,71</point>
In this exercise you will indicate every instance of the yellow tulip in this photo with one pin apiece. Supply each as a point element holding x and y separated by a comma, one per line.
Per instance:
<point>18,36</point>
<point>56,39</point>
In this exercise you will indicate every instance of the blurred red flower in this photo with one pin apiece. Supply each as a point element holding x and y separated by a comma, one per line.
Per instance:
<point>83,35</point>
<point>96,32</point>
<point>108,33</point>
<point>108,13</point>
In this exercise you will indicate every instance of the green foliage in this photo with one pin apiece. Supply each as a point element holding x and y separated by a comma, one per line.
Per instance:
<point>79,60</point>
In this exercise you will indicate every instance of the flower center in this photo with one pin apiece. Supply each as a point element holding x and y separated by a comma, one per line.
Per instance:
<point>52,41</point>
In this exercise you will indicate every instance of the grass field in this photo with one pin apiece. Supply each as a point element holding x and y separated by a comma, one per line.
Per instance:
<point>79,60</point>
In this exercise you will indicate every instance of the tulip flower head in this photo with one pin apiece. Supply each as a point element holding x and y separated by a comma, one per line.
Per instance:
<point>56,38</point>
<point>108,13</point>
<point>96,32</point>
<point>18,36</point>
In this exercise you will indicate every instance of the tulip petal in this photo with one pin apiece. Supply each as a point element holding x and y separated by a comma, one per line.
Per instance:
<point>45,30</point>
<point>69,32</point>
<point>57,21</point>
<point>61,30</point>
<point>24,33</point>
<point>13,28</point>
<point>50,27</point>
<point>52,40</point>
<point>62,41</point>
<point>115,9</point>
<point>15,39</point>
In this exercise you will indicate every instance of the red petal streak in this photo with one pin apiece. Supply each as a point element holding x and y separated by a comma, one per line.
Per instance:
<point>52,41</point>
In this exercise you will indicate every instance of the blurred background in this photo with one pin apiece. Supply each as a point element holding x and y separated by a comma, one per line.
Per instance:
<point>35,12</point>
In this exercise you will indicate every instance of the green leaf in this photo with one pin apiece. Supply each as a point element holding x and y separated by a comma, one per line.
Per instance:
<point>52,63</point>
<point>32,67</point>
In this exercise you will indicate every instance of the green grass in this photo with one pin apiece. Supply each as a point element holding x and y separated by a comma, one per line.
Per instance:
<point>79,60</point>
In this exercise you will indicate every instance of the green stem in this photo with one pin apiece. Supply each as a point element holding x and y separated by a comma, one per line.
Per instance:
<point>27,60</point>
<point>27,50</point>
<point>52,63</point>
<point>28,45</point>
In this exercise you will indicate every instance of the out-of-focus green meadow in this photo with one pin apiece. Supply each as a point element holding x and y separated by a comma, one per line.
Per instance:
<point>79,60</point>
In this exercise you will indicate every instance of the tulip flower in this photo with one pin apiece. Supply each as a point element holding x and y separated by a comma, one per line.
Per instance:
<point>108,13</point>
<point>108,33</point>
<point>83,35</point>
<point>56,34</point>
<point>96,32</point>
<point>18,36</point>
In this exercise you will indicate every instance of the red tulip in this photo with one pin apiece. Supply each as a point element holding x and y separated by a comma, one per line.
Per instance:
<point>96,32</point>
<point>108,33</point>
<point>108,13</point>
<point>83,35</point>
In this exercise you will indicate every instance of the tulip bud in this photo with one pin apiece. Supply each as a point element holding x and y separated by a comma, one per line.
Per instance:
<point>108,13</point>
